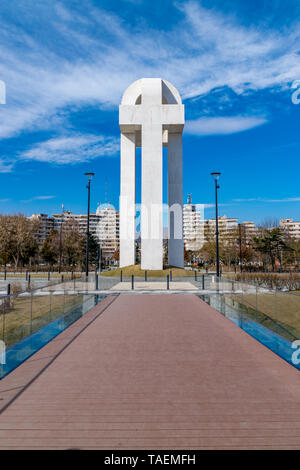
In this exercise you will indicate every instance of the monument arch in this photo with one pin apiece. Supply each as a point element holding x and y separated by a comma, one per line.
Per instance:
<point>151,115</point>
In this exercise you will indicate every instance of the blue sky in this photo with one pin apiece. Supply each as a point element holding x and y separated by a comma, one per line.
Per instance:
<point>67,63</point>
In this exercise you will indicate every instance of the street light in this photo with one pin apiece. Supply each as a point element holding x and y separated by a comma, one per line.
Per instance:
<point>60,236</point>
<point>240,245</point>
<point>88,186</point>
<point>216,177</point>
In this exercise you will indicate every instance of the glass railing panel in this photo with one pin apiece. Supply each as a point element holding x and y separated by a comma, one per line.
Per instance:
<point>270,317</point>
<point>16,320</point>
<point>32,321</point>
<point>287,308</point>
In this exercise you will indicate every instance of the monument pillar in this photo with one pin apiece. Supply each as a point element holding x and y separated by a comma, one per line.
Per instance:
<point>127,200</point>
<point>151,116</point>
<point>175,247</point>
<point>152,178</point>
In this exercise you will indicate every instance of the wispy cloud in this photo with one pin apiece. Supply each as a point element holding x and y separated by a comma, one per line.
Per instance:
<point>262,199</point>
<point>213,205</point>
<point>5,166</point>
<point>222,125</point>
<point>38,198</point>
<point>89,56</point>
<point>72,149</point>
<point>242,58</point>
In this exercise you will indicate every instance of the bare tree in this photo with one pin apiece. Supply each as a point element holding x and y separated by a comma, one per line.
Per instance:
<point>269,222</point>
<point>17,238</point>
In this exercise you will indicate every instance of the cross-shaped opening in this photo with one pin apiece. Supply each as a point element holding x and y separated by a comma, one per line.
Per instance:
<point>164,100</point>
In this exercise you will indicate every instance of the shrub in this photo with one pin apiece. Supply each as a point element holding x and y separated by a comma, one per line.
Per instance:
<point>15,289</point>
<point>271,280</point>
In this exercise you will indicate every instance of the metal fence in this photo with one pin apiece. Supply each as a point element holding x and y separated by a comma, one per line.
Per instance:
<point>27,282</point>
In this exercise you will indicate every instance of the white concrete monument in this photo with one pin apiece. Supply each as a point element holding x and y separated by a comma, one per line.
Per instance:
<point>151,116</point>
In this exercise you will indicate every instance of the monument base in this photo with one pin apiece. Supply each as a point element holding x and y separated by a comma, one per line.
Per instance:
<point>136,270</point>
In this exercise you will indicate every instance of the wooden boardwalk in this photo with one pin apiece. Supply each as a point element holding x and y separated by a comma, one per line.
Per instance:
<point>152,371</point>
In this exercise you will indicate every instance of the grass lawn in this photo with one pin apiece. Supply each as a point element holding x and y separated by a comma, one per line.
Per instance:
<point>285,308</point>
<point>137,271</point>
<point>29,314</point>
<point>39,275</point>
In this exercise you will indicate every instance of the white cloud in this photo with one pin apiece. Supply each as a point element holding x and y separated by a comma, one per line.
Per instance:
<point>88,56</point>
<point>213,205</point>
<point>38,198</point>
<point>222,125</point>
<point>72,149</point>
<point>6,167</point>
<point>43,198</point>
<point>261,199</point>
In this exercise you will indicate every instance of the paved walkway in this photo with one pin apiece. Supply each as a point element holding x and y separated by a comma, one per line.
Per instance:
<point>152,371</point>
<point>156,285</point>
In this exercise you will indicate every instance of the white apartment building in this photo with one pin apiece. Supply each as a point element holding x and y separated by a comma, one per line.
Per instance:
<point>230,226</point>
<point>225,226</point>
<point>196,230</point>
<point>108,229</point>
<point>79,219</point>
<point>249,229</point>
<point>291,228</point>
<point>193,229</point>
<point>46,224</point>
<point>103,226</point>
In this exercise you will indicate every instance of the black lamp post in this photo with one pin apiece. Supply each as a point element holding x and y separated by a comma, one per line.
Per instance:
<point>88,186</point>
<point>60,238</point>
<point>216,177</point>
<point>99,259</point>
<point>240,245</point>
